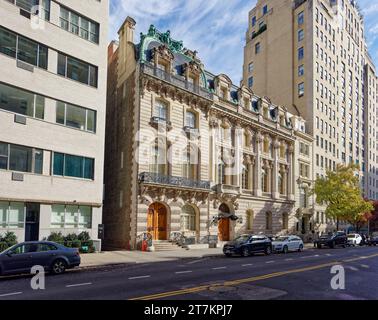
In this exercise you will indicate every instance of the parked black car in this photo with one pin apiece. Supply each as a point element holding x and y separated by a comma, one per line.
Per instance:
<point>54,257</point>
<point>332,240</point>
<point>246,245</point>
<point>373,240</point>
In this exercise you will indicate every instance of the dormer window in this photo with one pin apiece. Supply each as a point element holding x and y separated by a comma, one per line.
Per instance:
<point>224,93</point>
<point>247,103</point>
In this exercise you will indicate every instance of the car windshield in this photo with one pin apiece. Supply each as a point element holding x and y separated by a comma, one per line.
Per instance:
<point>282,239</point>
<point>351,236</point>
<point>242,239</point>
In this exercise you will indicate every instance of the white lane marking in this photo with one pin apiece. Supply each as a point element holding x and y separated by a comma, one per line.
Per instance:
<point>290,259</point>
<point>329,255</point>
<point>270,262</point>
<point>352,268</point>
<point>197,261</point>
<point>219,268</point>
<point>79,285</point>
<point>140,277</point>
<point>365,266</point>
<point>183,272</point>
<point>247,265</point>
<point>10,294</point>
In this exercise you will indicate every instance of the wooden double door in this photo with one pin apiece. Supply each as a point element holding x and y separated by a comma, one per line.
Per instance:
<point>224,229</point>
<point>157,221</point>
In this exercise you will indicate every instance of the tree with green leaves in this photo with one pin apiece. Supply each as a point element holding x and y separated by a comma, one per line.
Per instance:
<point>340,191</point>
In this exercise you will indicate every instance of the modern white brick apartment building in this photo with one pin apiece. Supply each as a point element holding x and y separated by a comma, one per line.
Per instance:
<point>52,116</point>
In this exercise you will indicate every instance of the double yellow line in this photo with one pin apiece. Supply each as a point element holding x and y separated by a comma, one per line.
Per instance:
<point>248,280</point>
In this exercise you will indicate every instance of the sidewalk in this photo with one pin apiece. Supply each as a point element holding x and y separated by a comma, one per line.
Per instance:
<point>133,257</point>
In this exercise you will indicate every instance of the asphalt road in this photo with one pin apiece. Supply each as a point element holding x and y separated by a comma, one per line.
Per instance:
<point>305,275</point>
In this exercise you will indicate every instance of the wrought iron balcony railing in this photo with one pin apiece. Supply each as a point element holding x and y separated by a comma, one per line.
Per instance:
<point>175,80</point>
<point>155,178</point>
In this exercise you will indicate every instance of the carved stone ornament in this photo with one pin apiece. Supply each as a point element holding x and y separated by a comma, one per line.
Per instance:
<point>163,52</point>
<point>192,67</point>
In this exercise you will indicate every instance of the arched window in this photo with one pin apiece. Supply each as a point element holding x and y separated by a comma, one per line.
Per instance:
<point>285,221</point>
<point>158,162</point>
<point>250,219</point>
<point>190,120</point>
<point>268,221</point>
<point>161,110</point>
<point>188,218</point>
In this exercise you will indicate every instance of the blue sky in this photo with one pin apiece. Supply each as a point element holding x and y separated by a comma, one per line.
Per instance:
<point>215,28</point>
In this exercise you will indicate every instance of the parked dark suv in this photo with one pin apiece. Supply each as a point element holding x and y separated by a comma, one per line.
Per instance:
<point>52,256</point>
<point>373,239</point>
<point>332,240</point>
<point>246,245</point>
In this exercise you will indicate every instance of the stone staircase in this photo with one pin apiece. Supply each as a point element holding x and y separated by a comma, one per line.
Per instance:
<point>161,246</point>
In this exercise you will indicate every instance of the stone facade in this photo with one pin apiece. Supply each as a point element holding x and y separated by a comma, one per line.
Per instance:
<point>188,153</point>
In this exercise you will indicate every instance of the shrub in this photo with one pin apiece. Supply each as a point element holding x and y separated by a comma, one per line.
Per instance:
<point>84,236</point>
<point>10,238</point>
<point>56,237</point>
<point>71,237</point>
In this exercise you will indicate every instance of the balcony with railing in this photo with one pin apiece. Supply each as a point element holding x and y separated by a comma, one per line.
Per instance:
<point>227,189</point>
<point>175,80</point>
<point>155,178</point>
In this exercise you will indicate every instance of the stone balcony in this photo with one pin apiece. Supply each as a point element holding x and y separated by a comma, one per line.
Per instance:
<point>158,179</point>
<point>227,189</point>
<point>175,80</point>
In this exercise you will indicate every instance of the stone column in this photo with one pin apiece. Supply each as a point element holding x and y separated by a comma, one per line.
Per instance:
<point>290,173</point>
<point>258,164</point>
<point>251,183</point>
<point>276,148</point>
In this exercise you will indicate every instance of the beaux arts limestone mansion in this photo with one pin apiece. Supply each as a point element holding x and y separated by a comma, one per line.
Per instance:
<point>189,152</point>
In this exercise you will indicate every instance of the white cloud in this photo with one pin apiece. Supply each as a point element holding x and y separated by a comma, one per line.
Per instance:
<point>215,28</point>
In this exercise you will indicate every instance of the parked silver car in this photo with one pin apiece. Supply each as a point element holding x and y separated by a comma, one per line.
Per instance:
<point>54,257</point>
<point>287,243</point>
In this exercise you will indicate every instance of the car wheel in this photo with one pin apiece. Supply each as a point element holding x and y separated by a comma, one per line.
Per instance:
<point>59,266</point>
<point>285,250</point>
<point>245,252</point>
<point>268,251</point>
<point>333,244</point>
<point>319,246</point>
<point>300,248</point>
<point>228,255</point>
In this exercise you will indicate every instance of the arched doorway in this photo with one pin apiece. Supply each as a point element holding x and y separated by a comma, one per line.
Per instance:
<point>224,223</point>
<point>157,221</point>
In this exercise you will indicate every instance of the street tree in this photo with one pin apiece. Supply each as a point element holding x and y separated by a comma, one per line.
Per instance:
<point>340,191</point>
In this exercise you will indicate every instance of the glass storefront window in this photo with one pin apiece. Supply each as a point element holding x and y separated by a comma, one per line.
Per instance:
<point>71,217</point>
<point>57,216</point>
<point>85,217</point>
<point>3,214</point>
<point>16,217</point>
